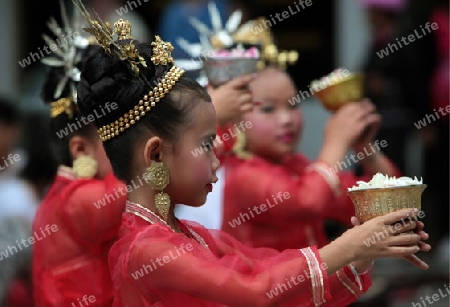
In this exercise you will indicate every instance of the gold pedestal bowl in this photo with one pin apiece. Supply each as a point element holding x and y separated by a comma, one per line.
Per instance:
<point>348,89</point>
<point>370,203</point>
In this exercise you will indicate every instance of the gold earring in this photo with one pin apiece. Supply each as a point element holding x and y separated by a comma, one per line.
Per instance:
<point>239,147</point>
<point>157,176</point>
<point>85,167</point>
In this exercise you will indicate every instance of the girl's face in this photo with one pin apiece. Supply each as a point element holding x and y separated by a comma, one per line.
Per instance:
<point>192,165</point>
<point>276,123</point>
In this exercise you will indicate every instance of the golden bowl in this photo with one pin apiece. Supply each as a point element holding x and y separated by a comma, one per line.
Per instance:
<point>348,89</point>
<point>371,203</point>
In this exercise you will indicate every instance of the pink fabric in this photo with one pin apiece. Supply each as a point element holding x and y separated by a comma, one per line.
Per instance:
<point>294,222</point>
<point>72,262</point>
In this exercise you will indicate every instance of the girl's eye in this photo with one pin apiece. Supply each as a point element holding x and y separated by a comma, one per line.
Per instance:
<point>267,109</point>
<point>208,145</point>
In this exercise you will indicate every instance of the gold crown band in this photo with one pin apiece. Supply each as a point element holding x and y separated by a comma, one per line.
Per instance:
<point>62,105</point>
<point>145,104</point>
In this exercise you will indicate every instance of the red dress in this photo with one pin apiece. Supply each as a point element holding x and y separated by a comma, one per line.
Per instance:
<point>151,265</point>
<point>297,195</point>
<point>70,259</point>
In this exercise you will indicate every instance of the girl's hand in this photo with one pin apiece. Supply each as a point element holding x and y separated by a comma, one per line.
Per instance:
<point>362,266</point>
<point>373,125</point>
<point>232,99</point>
<point>378,237</point>
<point>345,128</point>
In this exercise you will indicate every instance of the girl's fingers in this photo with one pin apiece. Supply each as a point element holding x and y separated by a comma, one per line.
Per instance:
<point>404,240</point>
<point>397,216</point>
<point>401,251</point>
<point>401,227</point>
<point>424,247</point>
<point>416,261</point>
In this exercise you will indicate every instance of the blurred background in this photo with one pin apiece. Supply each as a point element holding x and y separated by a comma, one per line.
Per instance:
<point>406,85</point>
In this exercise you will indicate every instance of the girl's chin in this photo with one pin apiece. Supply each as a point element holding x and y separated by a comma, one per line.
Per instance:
<point>197,203</point>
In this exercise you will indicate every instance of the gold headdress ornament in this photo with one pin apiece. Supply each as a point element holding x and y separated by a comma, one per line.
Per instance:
<point>105,37</point>
<point>66,56</point>
<point>161,55</point>
<point>254,32</point>
<point>270,54</point>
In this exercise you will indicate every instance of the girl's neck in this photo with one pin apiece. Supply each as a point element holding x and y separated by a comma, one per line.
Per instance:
<point>147,200</point>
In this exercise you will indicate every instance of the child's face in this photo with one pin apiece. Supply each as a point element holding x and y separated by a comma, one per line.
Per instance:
<point>276,123</point>
<point>191,172</point>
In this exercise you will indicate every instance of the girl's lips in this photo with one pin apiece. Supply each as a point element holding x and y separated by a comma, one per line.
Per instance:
<point>287,137</point>
<point>209,187</point>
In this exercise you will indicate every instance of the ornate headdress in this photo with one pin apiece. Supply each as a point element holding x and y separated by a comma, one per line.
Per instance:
<point>254,32</point>
<point>66,56</point>
<point>127,51</point>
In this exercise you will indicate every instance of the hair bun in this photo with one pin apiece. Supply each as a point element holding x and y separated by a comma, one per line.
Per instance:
<point>106,79</point>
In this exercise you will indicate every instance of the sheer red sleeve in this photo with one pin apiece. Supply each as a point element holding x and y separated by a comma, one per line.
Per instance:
<point>309,193</point>
<point>93,211</point>
<point>157,265</point>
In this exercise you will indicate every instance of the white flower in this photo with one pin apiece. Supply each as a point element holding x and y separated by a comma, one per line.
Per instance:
<point>379,181</point>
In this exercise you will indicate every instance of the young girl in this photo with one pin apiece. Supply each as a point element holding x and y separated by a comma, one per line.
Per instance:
<point>161,261</point>
<point>299,194</point>
<point>72,230</point>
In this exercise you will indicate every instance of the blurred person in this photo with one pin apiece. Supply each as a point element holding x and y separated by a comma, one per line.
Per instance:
<point>15,266</point>
<point>313,191</point>
<point>37,174</point>
<point>435,134</point>
<point>393,80</point>
<point>158,142</point>
<point>17,201</point>
<point>74,229</point>
<point>12,160</point>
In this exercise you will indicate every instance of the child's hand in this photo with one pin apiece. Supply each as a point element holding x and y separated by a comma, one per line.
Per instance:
<point>346,128</point>
<point>378,237</point>
<point>232,99</point>
<point>365,265</point>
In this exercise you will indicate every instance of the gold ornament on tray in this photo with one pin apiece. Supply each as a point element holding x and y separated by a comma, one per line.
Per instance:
<point>209,57</point>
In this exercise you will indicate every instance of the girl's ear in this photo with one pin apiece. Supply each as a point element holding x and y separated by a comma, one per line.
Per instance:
<point>80,146</point>
<point>153,150</point>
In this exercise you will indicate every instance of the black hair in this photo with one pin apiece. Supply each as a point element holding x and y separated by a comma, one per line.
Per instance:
<point>60,126</point>
<point>41,166</point>
<point>107,79</point>
<point>9,114</point>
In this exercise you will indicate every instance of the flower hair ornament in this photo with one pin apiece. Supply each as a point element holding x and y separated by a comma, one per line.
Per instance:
<point>66,56</point>
<point>232,34</point>
<point>161,55</point>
